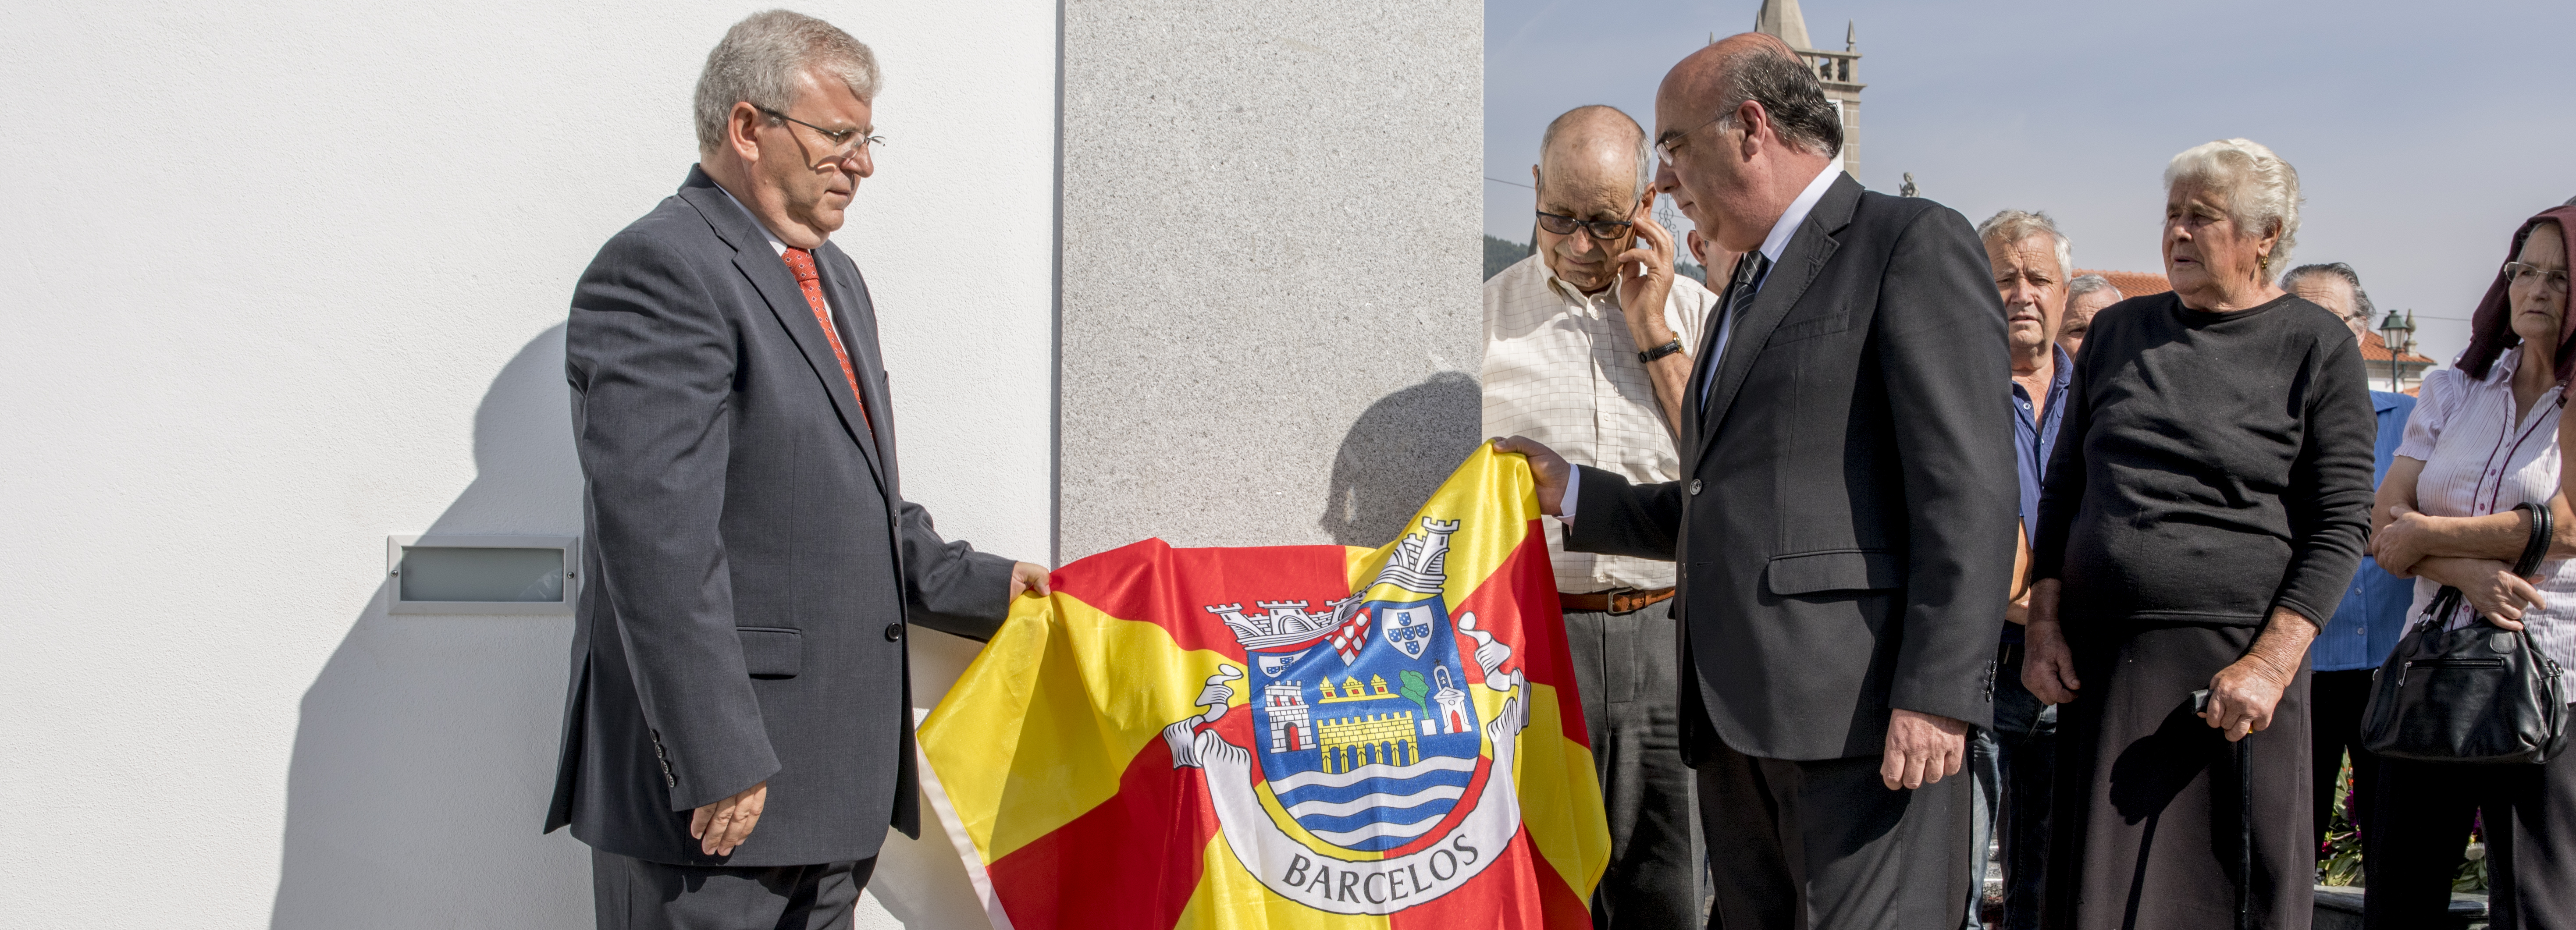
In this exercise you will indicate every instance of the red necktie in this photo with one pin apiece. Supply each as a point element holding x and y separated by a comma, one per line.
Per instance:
<point>801,262</point>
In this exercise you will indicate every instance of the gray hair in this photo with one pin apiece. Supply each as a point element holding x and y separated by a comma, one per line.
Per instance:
<point>2262,190</point>
<point>760,59</point>
<point>2361,305</point>
<point>1787,90</point>
<point>2010,226</point>
<point>2088,283</point>
<point>1645,145</point>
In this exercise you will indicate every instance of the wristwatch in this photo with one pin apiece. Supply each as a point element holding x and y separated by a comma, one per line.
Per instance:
<point>1660,351</point>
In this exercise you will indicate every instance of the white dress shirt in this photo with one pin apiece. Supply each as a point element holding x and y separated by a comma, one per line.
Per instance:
<point>1773,244</point>
<point>780,248</point>
<point>2480,459</point>
<point>1561,368</point>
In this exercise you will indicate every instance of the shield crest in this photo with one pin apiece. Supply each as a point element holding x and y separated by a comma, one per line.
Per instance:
<point>1274,662</point>
<point>1408,627</point>
<point>1372,755</point>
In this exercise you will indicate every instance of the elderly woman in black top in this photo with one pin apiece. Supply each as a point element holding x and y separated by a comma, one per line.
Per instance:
<point>2209,500</point>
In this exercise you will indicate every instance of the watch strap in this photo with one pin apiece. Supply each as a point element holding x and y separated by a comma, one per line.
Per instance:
<point>1660,351</point>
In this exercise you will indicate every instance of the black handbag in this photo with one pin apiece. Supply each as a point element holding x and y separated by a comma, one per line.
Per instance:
<point>2474,694</point>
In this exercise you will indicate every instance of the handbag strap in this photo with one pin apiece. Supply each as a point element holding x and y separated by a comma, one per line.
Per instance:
<point>2438,613</point>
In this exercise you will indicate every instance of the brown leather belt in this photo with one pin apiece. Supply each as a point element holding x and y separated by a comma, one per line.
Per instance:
<point>1623,600</point>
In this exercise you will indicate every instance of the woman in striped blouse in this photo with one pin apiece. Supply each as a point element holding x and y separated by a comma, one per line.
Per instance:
<point>2484,438</point>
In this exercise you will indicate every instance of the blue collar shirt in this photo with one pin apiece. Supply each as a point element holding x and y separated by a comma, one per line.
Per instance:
<point>2373,613</point>
<point>2034,440</point>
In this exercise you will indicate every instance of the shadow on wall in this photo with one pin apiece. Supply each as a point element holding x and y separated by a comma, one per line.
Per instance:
<point>425,751</point>
<point>1397,453</point>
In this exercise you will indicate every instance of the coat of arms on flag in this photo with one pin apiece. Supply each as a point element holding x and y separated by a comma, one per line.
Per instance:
<point>1385,737</point>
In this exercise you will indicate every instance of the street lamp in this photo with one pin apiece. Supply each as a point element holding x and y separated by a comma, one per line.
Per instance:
<point>2397,331</point>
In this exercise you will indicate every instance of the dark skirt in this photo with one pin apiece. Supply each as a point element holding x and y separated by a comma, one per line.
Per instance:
<point>2147,811</point>
<point>2414,843</point>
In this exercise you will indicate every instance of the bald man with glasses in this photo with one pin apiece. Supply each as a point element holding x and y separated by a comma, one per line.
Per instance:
<point>1567,362</point>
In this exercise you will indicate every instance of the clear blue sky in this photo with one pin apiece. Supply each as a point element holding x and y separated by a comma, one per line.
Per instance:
<point>2423,133</point>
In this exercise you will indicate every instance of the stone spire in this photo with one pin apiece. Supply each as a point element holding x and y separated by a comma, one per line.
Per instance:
<point>1782,18</point>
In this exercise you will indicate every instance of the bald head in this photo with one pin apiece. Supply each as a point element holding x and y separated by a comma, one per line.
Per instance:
<point>1698,84</point>
<point>1596,147</point>
<point>1762,68</point>
<point>1594,167</point>
<point>1746,126</point>
<point>1700,78</point>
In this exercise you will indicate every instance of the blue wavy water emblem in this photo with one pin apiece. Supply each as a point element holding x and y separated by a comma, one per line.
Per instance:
<point>1370,753</point>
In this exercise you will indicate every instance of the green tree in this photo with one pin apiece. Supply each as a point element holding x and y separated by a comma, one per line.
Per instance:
<point>1501,254</point>
<point>1415,689</point>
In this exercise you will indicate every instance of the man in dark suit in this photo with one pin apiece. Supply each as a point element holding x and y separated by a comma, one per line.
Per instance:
<point>1843,521</point>
<point>738,657</point>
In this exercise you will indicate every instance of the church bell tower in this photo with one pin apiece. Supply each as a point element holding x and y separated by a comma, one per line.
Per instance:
<point>1838,71</point>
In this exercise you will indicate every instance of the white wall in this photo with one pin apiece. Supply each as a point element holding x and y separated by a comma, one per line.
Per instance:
<point>281,279</point>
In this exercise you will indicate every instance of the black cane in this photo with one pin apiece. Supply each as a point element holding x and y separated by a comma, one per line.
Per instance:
<point>2244,821</point>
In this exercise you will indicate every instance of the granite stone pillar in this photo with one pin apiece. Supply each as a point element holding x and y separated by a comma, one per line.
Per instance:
<point>1269,293</point>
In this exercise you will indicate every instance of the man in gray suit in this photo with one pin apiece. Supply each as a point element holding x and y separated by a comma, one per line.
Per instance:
<point>738,657</point>
<point>1842,518</point>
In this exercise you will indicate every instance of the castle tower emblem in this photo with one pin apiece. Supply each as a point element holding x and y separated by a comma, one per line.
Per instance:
<point>1420,562</point>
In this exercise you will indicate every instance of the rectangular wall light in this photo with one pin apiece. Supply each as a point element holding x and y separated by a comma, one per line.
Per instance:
<point>482,574</point>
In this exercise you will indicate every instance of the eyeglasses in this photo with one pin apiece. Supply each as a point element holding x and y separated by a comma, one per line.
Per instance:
<point>1666,146</point>
<point>1602,230</point>
<point>2524,273</point>
<point>845,142</point>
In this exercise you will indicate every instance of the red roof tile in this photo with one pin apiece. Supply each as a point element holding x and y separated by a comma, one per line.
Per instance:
<point>2375,349</point>
<point>2132,283</point>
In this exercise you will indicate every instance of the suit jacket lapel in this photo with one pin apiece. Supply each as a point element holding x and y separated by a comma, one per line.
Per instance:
<point>1700,360</point>
<point>857,315</point>
<point>769,276</point>
<point>1799,263</point>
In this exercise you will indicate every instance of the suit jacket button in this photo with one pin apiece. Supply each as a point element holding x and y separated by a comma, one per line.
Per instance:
<point>1694,487</point>
<point>894,632</point>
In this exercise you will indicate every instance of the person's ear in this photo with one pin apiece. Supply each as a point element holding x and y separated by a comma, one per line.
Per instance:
<point>1754,121</point>
<point>742,130</point>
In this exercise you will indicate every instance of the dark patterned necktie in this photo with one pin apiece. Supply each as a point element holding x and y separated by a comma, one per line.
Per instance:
<point>1740,290</point>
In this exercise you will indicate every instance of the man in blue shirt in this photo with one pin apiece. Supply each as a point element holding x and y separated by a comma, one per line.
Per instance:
<point>2373,613</point>
<point>2013,756</point>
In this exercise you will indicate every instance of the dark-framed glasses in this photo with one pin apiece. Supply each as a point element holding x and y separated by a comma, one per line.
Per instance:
<point>2525,272</point>
<point>1604,230</point>
<point>845,142</point>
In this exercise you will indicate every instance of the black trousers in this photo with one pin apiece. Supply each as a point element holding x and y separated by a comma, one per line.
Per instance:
<point>2147,829</point>
<point>1826,845</point>
<point>2420,827</point>
<point>632,894</point>
<point>1627,670</point>
<point>2335,700</point>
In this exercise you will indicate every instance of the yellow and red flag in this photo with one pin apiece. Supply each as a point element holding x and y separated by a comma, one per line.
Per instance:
<point>1284,737</point>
